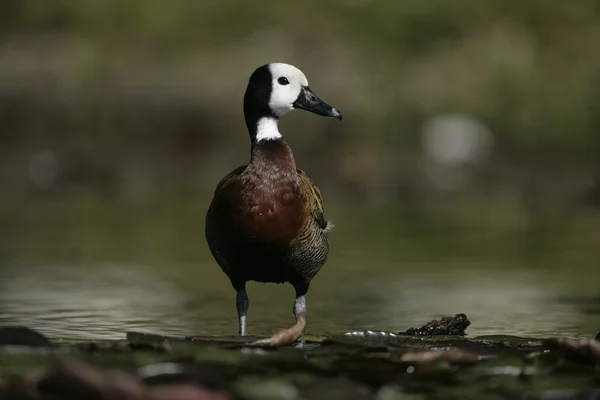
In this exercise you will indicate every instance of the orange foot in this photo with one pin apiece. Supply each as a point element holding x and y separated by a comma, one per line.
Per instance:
<point>288,336</point>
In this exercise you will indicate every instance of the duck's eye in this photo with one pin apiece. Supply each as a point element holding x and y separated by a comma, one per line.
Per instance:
<point>283,81</point>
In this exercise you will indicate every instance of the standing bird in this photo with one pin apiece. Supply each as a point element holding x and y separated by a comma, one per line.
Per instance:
<point>265,222</point>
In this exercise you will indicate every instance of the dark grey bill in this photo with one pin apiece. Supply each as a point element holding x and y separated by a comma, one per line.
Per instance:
<point>309,101</point>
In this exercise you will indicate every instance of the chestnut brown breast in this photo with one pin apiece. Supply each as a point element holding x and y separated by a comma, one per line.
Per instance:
<point>267,199</point>
<point>266,220</point>
<point>260,203</point>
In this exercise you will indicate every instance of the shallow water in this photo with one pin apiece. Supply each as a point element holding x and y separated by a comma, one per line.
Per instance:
<point>534,283</point>
<point>103,301</point>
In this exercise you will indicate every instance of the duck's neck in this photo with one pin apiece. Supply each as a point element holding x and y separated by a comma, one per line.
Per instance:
<point>266,129</point>
<point>269,147</point>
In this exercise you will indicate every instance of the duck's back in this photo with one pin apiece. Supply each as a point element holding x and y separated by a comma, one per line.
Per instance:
<point>266,221</point>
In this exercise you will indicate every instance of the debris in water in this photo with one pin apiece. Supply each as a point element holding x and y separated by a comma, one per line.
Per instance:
<point>454,326</point>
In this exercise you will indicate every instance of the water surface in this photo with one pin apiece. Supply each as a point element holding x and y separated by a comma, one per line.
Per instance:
<point>104,300</point>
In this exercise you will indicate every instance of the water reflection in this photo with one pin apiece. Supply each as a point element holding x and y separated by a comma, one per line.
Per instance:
<point>104,301</point>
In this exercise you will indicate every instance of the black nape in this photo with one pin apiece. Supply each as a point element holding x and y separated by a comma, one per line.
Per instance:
<point>256,99</point>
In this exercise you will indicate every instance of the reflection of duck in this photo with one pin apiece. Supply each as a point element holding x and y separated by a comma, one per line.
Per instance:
<point>265,222</point>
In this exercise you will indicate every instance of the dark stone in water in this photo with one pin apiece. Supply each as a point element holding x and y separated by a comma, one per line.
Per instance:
<point>170,373</point>
<point>22,336</point>
<point>70,379</point>
<point>598,336</point>
<point>580,350</point>
<point>360,365</point>
<point>566,394</point>
<point>455,326</point>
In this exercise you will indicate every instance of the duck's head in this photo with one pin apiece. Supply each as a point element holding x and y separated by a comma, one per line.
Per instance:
<point>274,90</point>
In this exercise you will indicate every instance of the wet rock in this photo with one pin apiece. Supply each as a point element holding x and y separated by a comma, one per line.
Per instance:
<point>269,389</point>
<point>70,379</point>
<point>67,379</point>
<point>454,326</point>
<point>104,347</point>
<point>392,392</point>
<point>565,395</point>
<point>509,344</point>
<point>582,350</point>
<point>334,388</point>
<point>188,392</point>
<point>363,339</point>
<point>142,340</point>
<point>453,356</point>
<point>22,336</point>
<point>171,373</point>
<point>355,365</point>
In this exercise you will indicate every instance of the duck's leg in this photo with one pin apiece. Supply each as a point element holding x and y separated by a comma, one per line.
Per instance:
<point>290,335</point>
<point>242,303</point>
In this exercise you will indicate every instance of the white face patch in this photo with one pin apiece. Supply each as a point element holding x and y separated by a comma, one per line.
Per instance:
<point>284,94</point>
<point>267,129</point>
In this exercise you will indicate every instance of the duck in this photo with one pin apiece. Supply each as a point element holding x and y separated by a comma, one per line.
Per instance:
<point>266,220</point>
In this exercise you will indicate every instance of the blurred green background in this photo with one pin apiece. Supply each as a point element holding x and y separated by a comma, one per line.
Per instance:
<point>468,156</point>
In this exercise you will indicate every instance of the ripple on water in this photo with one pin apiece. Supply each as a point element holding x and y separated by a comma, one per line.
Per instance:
<point>105,301</point>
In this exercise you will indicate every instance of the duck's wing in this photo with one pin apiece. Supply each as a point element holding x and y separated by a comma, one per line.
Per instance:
<point>314,199</point>
<point>228,180</point>
<point>218,225</point>
<point>220,213</point>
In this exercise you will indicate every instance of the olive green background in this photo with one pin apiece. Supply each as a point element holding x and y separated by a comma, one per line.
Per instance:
<point>118,118</point>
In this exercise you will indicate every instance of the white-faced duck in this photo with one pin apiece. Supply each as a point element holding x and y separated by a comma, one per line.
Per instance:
<point>265,222</point>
